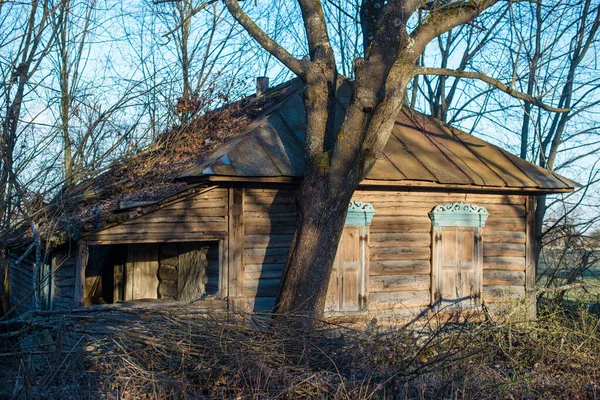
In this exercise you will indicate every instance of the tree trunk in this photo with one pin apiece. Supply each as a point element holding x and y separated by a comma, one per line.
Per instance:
<point>329,183</point>
<point>322,212</point>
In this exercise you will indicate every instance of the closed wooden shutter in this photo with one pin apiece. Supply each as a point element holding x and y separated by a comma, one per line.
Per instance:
<point>449,279</point>
<point>467,262</point>
<point>141,272</point>
<point>344,289</point>
<point>350,266</point>
<point>458,264</point>
<point>191,272</point>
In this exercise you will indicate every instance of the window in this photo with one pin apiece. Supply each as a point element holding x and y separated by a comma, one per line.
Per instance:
<point>183,271</point>
<point>347,292</point>
<point>456,255</point>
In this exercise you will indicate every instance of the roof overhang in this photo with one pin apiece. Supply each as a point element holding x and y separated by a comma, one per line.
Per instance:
<point>373,183</point>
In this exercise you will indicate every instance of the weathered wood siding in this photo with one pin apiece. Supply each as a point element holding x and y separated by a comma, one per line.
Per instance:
<point>21,281</point>
<point>399,283</point>
<point>193,218</point>
<point>141,272</point>
<point>269,222</point>
<point>400,248</point>
<point>61,286</point>
<point>63,290</point>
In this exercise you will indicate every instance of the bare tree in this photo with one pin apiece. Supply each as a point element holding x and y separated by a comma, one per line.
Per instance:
<point>338,158</point>
<point>205,46</point>
<point>541,48</point>
<point>27,37</point>
<point>25,40</point>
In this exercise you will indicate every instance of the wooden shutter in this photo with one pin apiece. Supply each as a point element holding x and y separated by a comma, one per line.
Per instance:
<point>350,266</point>
<point>191,272</point>
<point>449,278</point>
<point>141,272</point>
<point>343,293</point>
<point>467,261</point>
<point>458,264</point>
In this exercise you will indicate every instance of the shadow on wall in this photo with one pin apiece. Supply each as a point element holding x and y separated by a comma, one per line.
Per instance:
<point>269,224</point>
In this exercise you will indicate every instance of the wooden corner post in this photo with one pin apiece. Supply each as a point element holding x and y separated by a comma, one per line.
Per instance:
<point>530,262</point>
<point>80,266</point>
<point>235,283</point>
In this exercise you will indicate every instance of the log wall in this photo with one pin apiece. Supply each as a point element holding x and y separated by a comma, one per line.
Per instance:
<point>399,284</point>
<point>193,218</point>
<point>400,249</point>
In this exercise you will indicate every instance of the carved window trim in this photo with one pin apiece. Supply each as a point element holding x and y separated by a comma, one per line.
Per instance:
<point>456,215</point>
<point>360,214</point>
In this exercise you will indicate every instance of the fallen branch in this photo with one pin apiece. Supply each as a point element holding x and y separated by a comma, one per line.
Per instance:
<point>570,286</point>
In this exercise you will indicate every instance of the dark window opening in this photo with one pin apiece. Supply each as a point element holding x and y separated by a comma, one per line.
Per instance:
<point>183,271</point>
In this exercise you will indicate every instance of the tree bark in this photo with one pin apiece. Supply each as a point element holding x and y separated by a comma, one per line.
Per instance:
<point>321,215</point>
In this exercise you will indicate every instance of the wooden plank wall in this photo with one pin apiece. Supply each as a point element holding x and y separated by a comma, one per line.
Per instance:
<point>141,272</point>
<point>21,281</point>
<point>269,222</point>
<point>193,218</point>
<point>199,217</point>
<point>63,290</point>
<point>400,247</point>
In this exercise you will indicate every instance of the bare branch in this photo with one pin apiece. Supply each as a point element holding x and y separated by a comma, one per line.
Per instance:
<point>491,81</point>
<point>295,65</point>
<point>446,17</point>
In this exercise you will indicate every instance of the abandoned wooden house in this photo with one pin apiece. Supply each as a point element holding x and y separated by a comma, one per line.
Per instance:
<point>444,219</point>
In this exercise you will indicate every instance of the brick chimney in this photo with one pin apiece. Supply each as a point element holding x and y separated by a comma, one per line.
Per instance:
<point>262,85</point>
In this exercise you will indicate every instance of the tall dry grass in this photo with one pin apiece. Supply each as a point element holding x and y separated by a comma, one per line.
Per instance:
<point>174,353</point>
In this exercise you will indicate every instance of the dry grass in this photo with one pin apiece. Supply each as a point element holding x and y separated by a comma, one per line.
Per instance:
<point>124,353</point>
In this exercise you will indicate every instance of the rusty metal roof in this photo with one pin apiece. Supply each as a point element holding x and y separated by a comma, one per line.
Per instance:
<point>422,151</point>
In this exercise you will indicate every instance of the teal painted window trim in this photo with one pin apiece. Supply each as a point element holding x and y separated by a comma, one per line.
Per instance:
<point>359,213</point>
<point>459,214</point>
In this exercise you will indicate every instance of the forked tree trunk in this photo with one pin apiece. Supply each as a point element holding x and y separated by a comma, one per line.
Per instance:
<point>330,181</point>
<point>340,157</point>
<point>323,198</point>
